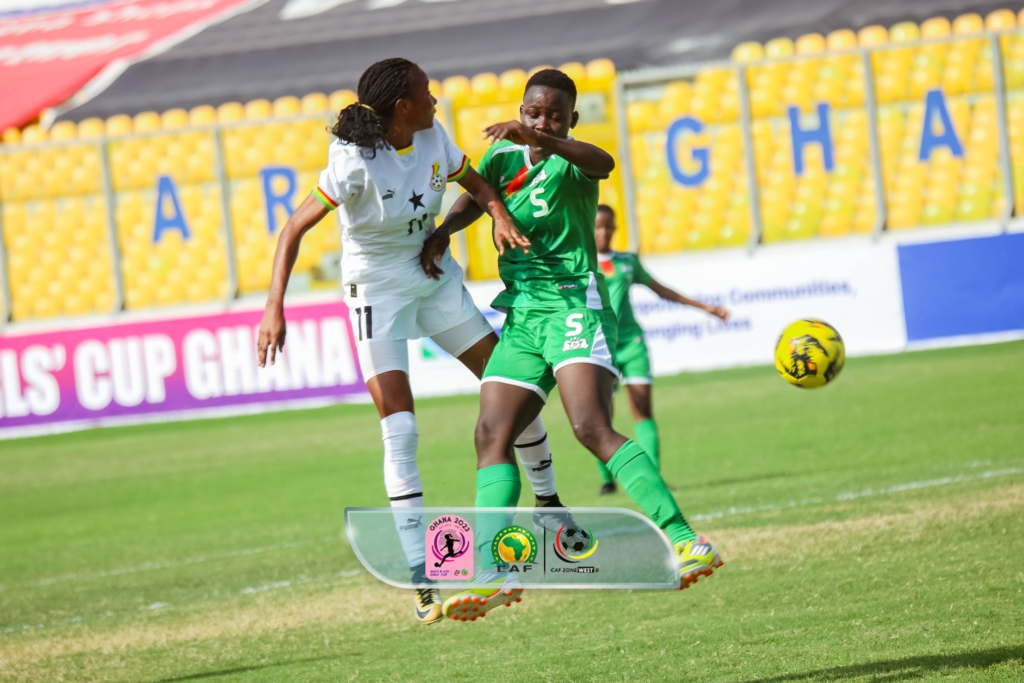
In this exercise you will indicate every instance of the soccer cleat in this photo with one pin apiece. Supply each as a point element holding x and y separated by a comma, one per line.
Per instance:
<point>489,589</point>
<point>428,605</point>
<point>696,559</point>
<point>551,520</point>
<point>607,488</point>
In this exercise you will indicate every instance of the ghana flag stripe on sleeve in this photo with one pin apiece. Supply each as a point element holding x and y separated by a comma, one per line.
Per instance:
<point>325,199</point>
<point>461,170</point>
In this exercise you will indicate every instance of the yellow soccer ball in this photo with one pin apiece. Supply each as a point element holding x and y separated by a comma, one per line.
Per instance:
<point>810,354</point>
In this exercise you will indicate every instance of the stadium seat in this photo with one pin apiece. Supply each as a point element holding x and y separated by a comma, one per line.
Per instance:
<point>34,134</point>
<point>578,73</point>
<point>90,129</point>
<point>63,130</point>
<point>779,47</point>
<point>968,24</point>
<point>601,74</point>
<point>841,39</point>
<point>287,106</point>
<point>11,136</point>
<point>871,36</point>
<point>904,32</point>
<point>230,112</point>
<point>315,103</point>
<point>203,115</point>
<point>751,51</point>
<point>456,88</point>
<point>935,27</point>
<point>485,88</point>
<point>512,84</point>
<point>257,110</point>
<point>810,44</point>
<point>146,122</point>
<point>173,119</point>
<point>339,99</point>
<point>1001,20</point>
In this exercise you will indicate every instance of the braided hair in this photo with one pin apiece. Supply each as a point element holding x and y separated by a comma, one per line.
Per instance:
<point>365,123</point>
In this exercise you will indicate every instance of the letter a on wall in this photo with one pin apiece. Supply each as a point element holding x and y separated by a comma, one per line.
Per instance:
<point>168,214</point>
<point>935,105</point>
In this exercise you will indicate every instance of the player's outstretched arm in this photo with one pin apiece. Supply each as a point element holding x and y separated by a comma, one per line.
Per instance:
<point>478,199</point>
<point>591,159</point>
<point>672,295</point>
<point>272,327</point>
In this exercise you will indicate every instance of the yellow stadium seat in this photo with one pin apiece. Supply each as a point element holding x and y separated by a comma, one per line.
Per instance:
<point>675,100</point>
<point>34,134</point>
<point>779,47</point>
<point>750,51</point>
<point>936,27</point>
<point>257,110</point>
<point>512,84</point>
<point>456,88</point>
<point>287,106</point>
<point>314,103</point>
<point>967,24</point>
<point>841,39</point>
<point>339,99</point>
<point>485,87</point>
<point>230,112</point>
<point>873,35</point>
<point>90,129</point>
<point>147,121</point>
<point>174,118</point>
<point>642,116</point>
<point>63,130</point>
<point>810,44</point>
<point>1001,20</point>
<point>203,115</point>
<point>600,73</point>
<point>904,32</point>
<point>11,136</point>
<point>577,72</point>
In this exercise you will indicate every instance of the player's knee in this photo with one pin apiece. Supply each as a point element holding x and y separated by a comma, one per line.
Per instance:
<point>591,433</point>
<point>491,436</point>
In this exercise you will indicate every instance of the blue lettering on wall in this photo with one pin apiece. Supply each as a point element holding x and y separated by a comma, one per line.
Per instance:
<point>167,197</point>
<point>282,199</point>
<point>802,137</point>
<point>700,154</point>
<point>935,104</point>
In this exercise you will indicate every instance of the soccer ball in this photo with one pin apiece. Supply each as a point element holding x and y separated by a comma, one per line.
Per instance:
<point>810,354</point>
<point>575,540</point>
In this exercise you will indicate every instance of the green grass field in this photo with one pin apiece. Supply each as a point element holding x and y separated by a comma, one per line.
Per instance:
<point>872,531</point>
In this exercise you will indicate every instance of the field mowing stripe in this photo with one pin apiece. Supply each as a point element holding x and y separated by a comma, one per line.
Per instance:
<point>853,495</point>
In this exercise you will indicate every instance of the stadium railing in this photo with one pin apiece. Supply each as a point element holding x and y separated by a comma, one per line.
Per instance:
<point>786,141</point>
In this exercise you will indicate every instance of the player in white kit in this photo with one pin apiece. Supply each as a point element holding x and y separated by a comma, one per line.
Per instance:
<point>386,176</point>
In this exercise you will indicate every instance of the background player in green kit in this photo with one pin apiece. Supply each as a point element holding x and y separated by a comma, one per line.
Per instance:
<point>621,271</point>
<point>559,327</point>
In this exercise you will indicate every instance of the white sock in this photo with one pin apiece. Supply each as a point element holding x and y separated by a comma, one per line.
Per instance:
<point>535,454</point>
<point>402,482</point>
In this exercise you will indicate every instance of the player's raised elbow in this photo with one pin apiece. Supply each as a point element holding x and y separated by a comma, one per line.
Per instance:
<point>601,165</point>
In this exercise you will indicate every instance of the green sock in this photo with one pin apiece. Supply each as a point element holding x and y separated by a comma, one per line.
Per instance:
<point>637,474</point>
<point>647,437</point>
<point>497,486</point>
<point>606,476</point>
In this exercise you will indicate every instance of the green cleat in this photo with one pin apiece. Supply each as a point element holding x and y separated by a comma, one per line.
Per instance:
<point>696,559</point>
<point>489,589</point>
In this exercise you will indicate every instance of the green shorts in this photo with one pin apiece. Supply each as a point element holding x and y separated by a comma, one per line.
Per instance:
<point>535,343</point>
<point>633,361</point>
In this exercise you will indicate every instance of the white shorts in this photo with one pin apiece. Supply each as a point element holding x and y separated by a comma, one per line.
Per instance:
<point>386,314</point>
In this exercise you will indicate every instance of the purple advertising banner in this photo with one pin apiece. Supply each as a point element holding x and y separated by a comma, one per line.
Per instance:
<point>129,371</point>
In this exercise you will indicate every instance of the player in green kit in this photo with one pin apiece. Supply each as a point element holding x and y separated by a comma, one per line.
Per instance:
<point>621,271</point>
<point>559,328</point>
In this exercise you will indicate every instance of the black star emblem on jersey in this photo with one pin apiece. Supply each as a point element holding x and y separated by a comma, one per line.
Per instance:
<point>417,201</point>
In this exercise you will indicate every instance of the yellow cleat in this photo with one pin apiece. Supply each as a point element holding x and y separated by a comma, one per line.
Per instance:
<point>696,559</point>
<point>428,605</point>
<point>489,589</point>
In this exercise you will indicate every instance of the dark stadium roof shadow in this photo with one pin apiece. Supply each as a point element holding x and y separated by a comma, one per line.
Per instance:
<point>247,669</point>
<point>908,667</point>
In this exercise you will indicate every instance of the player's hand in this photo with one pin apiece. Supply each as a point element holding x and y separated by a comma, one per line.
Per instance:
<point>505,232</point>
<point>434,248</point>
<point>271,336</point>
<point>513,131</point>
<point>718,312</point>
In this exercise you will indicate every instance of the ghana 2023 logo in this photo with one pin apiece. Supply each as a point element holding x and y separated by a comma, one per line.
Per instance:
<point>450,540</point>
<point>573,545</point>
<point>514,549</point>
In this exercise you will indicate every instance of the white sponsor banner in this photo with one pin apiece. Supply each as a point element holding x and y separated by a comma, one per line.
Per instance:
<point>852,285</point>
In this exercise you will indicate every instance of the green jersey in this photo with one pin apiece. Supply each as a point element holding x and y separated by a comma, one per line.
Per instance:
<point>554,204</point>
<point>621,271</point>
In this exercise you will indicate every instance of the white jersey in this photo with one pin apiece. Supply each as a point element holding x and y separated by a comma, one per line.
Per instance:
<point>387,203</point>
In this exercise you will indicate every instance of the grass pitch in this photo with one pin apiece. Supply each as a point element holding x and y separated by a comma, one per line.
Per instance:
<point>872,531</point>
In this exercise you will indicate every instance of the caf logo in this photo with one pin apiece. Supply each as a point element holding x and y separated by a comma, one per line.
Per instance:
<point>436,179</point>
<point>514,545</point>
